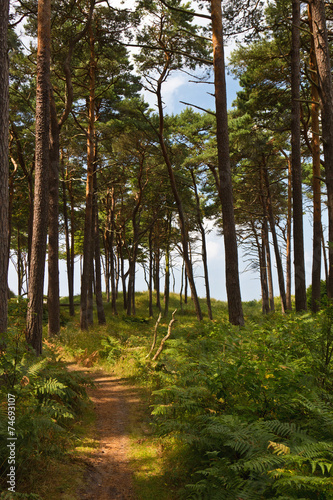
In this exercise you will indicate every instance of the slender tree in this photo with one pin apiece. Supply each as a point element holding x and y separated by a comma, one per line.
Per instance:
<point>299,267</point>
<point>4,166</point>
<point>322,52</point>
<point>36,273</point>
<point>225,190</point>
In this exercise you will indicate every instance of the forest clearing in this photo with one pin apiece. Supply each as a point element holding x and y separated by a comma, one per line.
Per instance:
<point>109,176</point>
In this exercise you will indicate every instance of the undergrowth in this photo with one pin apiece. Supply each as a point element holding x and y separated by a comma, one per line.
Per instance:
<point>46,401</point>
<point>237,413</point>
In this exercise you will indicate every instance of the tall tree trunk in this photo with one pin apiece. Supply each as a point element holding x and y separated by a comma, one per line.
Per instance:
<point>53,295</point>
<point>299,267</point>
<point>182,224</point>
<point>324,254</point>
<point>98,276</point>
<point>186,286</point>
<point>19,264</point>
<point>269,265</point>
<point>34,330</point>
<point>113,272</point>
<point>4,165</point>
<point>68,247</point>
<point>288,249</point>
<point>322,52</point>
<point>157,270</point>
<point>151,272</point>
<point>88,225</point>
<point>263,268</point>
<point>167,268</point>
<point>229,230</point>
<point>271,219</point>
<point>316,174</point>
<point>123,275</point>
<point>203,246</point>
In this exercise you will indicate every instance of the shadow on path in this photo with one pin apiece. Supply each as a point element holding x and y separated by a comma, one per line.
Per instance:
<point>108,476</point>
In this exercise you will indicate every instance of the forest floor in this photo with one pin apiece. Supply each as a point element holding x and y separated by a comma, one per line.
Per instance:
<point>109,475</point>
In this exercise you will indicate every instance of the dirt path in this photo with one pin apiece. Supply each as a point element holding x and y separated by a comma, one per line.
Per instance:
<point>108,473</point>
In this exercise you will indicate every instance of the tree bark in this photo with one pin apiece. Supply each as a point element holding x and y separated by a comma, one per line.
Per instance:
<point>98,276</point>
<point>316,174</point>
<point>150,278</point>
<point>34,330</point>
<point>203,246</point>
<point>70,268</point>
<point>157,268</point>
<point>53,302</point>
<point>288,249</point>
<point>299,267</point>
<point>167,268</point>
<point>229,229</point>
<point>322,52</point>
<point>269,210</point>
<point>269,266</point>
<point>4,165</point>
<point>88,225</point>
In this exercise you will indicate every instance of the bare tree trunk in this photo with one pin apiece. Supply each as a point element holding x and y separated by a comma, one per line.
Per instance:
<point>269,266</point>
<point>34,332</point>
<point>182,224</point>
<point>288,249</point>
<point>111,251</point>
<point>316,174</point>
<point>4,166</point>
<point>275,240</point>
<point>157,270</point>
<point>186,287</point>
<point>324,254</point>
<point>98,276</point>
<point>150,277</point>
<point>68,247</point>
<point>85,313</point>
<point>203,246</point>
<point>229,229</point>
<point>322,52</point>
<point>299,267</point>
<point>262,268</point>
<point>167,268</point>
<point>53,303</point>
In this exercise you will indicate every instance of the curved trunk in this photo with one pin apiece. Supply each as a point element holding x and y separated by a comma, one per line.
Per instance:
<point>178,201</point>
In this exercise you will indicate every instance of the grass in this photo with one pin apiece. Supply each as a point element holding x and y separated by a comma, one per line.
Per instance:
<point>120,347</point>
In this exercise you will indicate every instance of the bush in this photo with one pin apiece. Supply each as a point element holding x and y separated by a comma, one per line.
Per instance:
<point>323,294</point>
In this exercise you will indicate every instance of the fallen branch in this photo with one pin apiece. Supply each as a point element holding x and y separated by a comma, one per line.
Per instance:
<point>155,335</point>
<point>159,350</point>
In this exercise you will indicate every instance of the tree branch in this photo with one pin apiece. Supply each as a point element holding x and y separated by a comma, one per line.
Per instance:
<point>184,11</point>
<point>159,350</point>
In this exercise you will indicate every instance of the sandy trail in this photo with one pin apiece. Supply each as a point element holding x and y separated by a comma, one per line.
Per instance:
<point>108,475</point>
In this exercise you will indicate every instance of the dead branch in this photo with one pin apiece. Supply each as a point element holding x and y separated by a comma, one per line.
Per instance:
<point>159,350</point>
<point>155,335</point>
